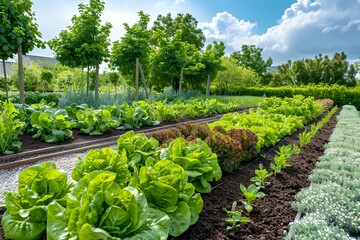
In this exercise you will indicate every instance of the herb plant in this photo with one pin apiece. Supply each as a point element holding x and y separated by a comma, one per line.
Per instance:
<point>261,175</point>
<point>234,217</point>
<point>251,193</point>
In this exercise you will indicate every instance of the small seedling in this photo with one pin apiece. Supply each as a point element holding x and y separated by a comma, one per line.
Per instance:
<point>234,217</point>
<point>251,193</point>
<point>280,162</point>
<point>261,175</point>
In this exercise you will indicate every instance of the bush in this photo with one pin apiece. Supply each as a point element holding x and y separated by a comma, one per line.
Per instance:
<point>341,95</point>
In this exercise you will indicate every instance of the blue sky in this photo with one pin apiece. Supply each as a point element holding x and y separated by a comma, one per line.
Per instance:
<point>285,29</point>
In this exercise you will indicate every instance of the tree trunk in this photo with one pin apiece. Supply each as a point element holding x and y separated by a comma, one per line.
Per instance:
<point>144,81</point>
<point>97,82</point>
<point>115,88</point>
<point>208,85</point>
<point>137,80</point>
<point>5,82</point>
<point>21,75</point>
<point>181,79</point>
<point>87,81</point>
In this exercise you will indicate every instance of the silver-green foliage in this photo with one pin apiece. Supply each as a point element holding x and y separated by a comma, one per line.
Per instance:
<point>314,226</point>
<point>332,202</point>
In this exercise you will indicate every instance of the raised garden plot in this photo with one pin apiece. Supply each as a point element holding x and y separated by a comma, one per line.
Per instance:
<point>169,177</point>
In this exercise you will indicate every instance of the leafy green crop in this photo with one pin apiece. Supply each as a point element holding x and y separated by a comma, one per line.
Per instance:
<point>138,148</point>
<point>234,217</point>
<point>94,122</point>
<point>200,164</point>
<point>251,193</point>
<point>167,189</point>
<point>261,175</point>
<point>51,125</point>
<point>26,211</point>
<point>98,208</point>
<point>10,129</point>
<point>105,159</point>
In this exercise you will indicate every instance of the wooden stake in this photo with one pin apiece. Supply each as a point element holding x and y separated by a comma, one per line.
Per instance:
<point>144,81</point>
<point>137,80</point>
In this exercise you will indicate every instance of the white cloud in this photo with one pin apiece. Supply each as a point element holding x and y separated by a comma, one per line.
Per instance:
<point>305,29</point>
<point>182,1</point>
<point>227,28</point>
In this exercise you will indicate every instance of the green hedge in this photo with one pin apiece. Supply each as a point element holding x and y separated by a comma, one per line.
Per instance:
<point>341,95</point>
<point>32,97</point>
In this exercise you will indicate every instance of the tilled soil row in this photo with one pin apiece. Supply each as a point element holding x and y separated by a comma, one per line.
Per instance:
<point>273,213</point>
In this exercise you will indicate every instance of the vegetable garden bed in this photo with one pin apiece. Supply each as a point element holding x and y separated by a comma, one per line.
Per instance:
<point>164,183</point>
<point>273,213</point>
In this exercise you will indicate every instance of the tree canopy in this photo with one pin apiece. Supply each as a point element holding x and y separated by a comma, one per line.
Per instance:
<point>85,43</point>
<point>134,44</point>
<point>250,57</point>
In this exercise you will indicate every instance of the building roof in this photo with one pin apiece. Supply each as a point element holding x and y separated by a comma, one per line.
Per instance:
<point>42,61</point>
<point>8,66</point>
<point>27,60</point>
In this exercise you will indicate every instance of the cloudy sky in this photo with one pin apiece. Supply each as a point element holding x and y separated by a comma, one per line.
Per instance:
<point>285,29</point>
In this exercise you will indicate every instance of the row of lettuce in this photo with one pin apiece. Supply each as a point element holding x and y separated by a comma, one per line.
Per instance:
<point>52,125</point>
<point>148,187</point>
<point>332,201</point>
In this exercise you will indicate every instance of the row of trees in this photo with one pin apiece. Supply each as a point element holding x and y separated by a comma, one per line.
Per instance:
<point>168,53</point>
<point>322,69</point>
<point>172,52</point>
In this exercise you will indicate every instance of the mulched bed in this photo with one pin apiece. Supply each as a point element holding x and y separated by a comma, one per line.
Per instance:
<point>273,213</point>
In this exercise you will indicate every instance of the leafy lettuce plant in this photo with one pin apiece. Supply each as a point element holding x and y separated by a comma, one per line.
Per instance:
<point>106,159</point>
<point>98,208</point>
<point>94,122</point>
<point>26,211</point>
<point>233,147</point>
<point>10,129</point>
<point>198,160</point>
<point>166,187</point>
<point>251,193</point>
<point>51,125</point>
<point>138,148</point>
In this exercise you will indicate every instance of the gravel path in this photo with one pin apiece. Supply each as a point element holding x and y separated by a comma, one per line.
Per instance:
<point>9,177</point>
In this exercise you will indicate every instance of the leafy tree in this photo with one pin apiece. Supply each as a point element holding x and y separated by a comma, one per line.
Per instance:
<point>250,57</point>
<point>169,59</point>
<point>190,33</point>
<point>211,58</point>
<point>114,78</point>
<point>86,42</point>
<point>234,76</point>
<point>351,76</point>
<point>314,71</point>
<point>19,33</point>
<point>176,53</point>
<point>134,44</point>
<point>46,78</point>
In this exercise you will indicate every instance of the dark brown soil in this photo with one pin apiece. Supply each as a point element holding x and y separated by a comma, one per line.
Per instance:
<point>273,213</point>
